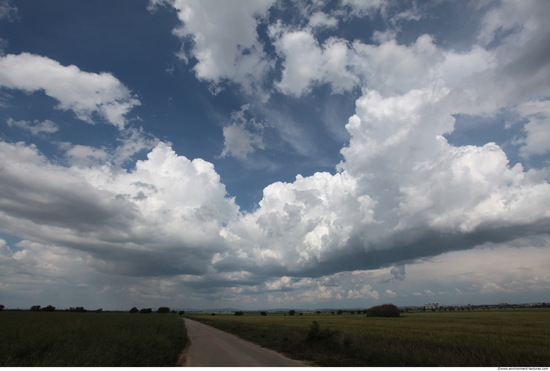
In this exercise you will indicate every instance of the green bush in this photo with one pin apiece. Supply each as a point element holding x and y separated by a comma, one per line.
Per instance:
<point>385,310</point>
<point>325,336</point>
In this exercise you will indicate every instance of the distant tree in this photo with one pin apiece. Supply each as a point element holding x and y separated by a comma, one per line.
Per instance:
<point>318,312</point>
<point>134,310</point>
<point>146,310</point>
<point>49,308</point>
<point>213,314</point>
<point>263,313</point>
<point>181,312</point>
<point>1,307</point>
<point>340,311</point>
<point>77,309</point>
<point>239,313</point>
<point>385,310</point>
<point>291,312</point>
<point>35,308</point>
<point>99,310</point>
<point>163,310</point>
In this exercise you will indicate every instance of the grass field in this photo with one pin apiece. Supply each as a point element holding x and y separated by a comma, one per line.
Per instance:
<point>452,339</point>
<point>90,339</point>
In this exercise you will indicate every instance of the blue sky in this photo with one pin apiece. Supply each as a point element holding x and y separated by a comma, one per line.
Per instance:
<point>262,154</point>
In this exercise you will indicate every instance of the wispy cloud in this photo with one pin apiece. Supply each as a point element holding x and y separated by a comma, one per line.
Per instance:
<point>35,127</point>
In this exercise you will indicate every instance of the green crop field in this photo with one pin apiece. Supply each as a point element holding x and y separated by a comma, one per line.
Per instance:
<point>452,339</point>
<point>90,339</point>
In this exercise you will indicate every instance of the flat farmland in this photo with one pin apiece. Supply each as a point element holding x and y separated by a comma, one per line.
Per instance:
<point>90,339</point>
<point>451,339</point>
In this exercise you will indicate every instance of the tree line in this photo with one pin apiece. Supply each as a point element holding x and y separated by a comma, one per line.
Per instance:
<point>51,308</point>
<point>384,310</point>
<point>160,310</point>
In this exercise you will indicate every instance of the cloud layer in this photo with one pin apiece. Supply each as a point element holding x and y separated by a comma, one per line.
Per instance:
<point>165,228</point>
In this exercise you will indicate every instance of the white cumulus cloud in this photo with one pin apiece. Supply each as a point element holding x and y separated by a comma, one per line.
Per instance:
<point>239,142</point>
<point>123,219</point>
<point>224,40</point>
<point>306,63</point>
<point>84,93</point>
<point>537,129</point>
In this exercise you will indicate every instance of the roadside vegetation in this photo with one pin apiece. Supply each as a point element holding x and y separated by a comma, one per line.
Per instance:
<point>76,338</point>
<point>451,339</point>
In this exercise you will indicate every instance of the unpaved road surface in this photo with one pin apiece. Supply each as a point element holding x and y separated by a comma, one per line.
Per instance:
<point>210,347</point>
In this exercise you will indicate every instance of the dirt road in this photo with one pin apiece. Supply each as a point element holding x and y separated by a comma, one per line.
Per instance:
<point>210,347</point>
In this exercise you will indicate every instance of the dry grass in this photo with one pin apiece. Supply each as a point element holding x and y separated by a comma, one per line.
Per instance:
<point>453,339</point>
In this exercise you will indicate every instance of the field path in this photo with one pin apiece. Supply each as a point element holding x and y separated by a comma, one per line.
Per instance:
<point>210,347</point>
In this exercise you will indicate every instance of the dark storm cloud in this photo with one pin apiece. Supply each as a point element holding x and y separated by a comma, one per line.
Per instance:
<point>403,249</point>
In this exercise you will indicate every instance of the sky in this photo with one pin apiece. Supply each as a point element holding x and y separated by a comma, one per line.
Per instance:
<point>274,154</point>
